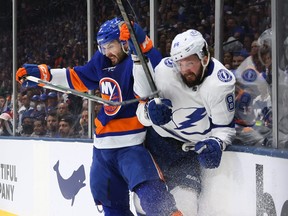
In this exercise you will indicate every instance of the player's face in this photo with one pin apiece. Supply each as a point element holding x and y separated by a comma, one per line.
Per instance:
<point>191,70</point>
<point>113,51</point>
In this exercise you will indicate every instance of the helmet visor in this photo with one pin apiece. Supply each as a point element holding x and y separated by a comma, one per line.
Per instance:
<point>108,47</point>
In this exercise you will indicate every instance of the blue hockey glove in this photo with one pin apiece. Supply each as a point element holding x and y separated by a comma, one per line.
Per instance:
<point>210,152</point>
<point>40,71</point>
<point>144,41</point>
<point>159,113</point>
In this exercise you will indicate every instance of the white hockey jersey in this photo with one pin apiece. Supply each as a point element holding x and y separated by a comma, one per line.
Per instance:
<point>199,112</point>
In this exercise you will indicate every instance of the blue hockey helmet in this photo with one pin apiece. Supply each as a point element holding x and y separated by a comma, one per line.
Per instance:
<point>108,32</point>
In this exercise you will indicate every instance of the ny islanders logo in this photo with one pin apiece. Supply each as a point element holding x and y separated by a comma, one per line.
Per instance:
<point>111,91</point>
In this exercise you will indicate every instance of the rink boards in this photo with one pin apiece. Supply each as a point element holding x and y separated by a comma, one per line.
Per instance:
<point>42,177</point>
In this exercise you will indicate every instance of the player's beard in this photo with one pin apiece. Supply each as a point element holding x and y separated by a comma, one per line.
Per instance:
<point>192,79</point>
<point>117,58</point>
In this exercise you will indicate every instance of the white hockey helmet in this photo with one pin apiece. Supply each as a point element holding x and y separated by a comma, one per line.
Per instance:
<point>265,46</point>
<point>188,43</point>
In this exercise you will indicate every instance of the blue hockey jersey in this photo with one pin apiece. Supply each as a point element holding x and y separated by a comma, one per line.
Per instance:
<point>116,126</point>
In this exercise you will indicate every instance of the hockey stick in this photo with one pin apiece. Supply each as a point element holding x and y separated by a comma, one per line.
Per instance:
<point>189,146</point>
<point>141,57</point>
<point>66,90</point>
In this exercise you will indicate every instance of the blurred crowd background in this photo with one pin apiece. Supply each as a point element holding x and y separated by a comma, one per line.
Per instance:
<point>55,33</point>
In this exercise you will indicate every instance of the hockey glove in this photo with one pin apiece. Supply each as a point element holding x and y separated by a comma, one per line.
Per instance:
<point>40,71</point>
<point>159,112</point>
<point>144,41</point>
<point>210,152</point>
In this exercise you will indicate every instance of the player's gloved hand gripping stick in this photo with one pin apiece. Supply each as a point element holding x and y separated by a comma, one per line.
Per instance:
<point>209,151</point>
<point>135,44</point>
<point>158,110</point>
<point>144,41</point>
<point>39,71</point>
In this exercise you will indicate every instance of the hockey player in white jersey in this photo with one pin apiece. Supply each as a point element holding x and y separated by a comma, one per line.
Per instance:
<point>195,113</point>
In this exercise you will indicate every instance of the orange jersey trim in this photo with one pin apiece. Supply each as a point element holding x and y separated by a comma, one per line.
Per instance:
<point>76,81</point>
<point>44,73</point>
<point>146,45</point>
<point>118,125</point>
<point>161,176</point>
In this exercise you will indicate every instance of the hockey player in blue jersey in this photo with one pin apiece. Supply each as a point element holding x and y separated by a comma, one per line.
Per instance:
<point>120,161</point>
<point>193,123</point>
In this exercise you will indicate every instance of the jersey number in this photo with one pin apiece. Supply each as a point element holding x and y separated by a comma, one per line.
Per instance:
<point>230,102</point>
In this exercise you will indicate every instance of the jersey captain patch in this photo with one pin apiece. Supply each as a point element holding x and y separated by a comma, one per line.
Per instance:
<point>110,90</point>
<point>224,75</point>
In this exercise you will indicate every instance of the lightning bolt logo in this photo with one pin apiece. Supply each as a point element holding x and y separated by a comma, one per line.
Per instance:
<point>194,117</point>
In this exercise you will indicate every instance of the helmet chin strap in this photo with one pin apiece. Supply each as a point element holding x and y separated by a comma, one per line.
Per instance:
<point>123,43</point>
<point>204,65</point>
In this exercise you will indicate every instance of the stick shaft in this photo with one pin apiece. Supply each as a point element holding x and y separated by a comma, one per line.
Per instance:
<point>85,95</point>
<point>141,56</point>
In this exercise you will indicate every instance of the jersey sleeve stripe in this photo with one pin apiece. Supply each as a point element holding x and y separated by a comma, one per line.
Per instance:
<point>76,81</point>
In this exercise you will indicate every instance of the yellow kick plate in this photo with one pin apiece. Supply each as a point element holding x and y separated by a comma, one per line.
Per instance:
<point>4,213</point>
